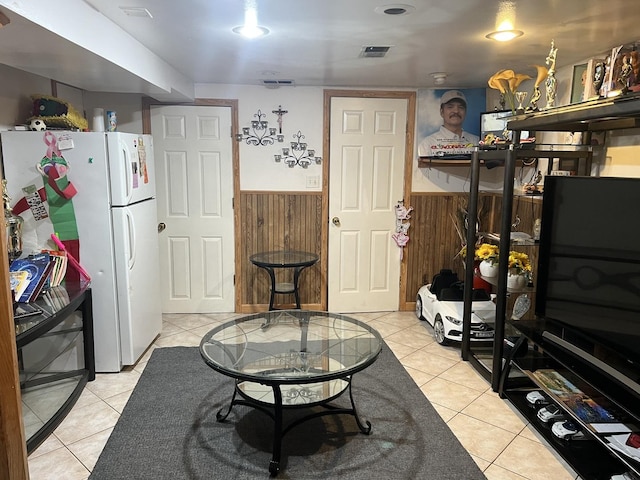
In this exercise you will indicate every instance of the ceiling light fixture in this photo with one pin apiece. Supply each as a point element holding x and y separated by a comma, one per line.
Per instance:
<point>439,77</point>
<point>504,35</point>
<point>505,21</point>
<point>250,29</point>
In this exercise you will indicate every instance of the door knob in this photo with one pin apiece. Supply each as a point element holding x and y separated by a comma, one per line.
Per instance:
<point>336,221</point>
<point>161,226</point>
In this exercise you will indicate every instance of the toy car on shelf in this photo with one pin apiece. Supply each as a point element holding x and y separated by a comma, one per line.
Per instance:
<point>536,399</point>
<point>550,413</point>
<point>567,430</point>
<point>440,303</point>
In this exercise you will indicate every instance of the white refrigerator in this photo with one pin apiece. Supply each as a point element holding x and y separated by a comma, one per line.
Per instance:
<point>116,217</point>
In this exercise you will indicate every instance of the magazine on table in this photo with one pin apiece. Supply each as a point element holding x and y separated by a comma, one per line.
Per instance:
<point>594,412</point>
<point>39,268</point>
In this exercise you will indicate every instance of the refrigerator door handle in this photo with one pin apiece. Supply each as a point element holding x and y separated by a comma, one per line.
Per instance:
<point>131,237</point>
<point>128,170</point>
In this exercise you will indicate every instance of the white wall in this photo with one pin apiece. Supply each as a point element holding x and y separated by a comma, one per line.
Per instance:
<point>621,157</point>
<point>258,169</point>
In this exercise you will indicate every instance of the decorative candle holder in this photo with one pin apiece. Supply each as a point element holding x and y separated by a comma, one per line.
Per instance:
<point>259,133</point>
<point>297,153</point>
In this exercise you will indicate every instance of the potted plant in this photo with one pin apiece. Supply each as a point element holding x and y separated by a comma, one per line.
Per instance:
<point>488,256</point>
<point>519,269</point>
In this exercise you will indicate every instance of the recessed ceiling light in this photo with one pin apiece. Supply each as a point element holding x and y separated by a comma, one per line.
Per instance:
<point>439,77</point>
<point>504,35</point>
<point>395,9</point>
<point>249,31</point>
<point>250,28</point>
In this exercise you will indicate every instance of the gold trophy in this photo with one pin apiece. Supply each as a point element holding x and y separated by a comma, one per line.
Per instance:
<point>13,224</point>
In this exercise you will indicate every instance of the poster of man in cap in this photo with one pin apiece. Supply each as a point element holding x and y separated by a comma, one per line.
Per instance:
<point>449,122</point>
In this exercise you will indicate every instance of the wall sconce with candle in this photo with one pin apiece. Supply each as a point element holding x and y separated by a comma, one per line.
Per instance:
<point>298,154</point>
<point>259,133</point>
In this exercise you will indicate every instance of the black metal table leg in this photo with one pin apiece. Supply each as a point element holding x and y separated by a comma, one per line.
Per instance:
<point>221,417</point>
<point>274,465</point>
<point>272,275</point>
<point>364,427</point>
<point>296,276</point>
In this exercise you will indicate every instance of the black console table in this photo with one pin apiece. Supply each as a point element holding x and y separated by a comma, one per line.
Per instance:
<point>55,358</point>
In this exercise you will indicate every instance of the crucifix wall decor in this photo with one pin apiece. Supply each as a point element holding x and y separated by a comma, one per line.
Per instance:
<point>280,113</point>
<point>260,133</point>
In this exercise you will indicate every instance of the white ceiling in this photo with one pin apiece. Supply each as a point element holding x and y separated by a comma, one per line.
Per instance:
<point>318,42</point>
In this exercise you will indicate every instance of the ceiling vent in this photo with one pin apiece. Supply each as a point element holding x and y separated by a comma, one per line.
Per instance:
<point>271,83</point>
<point>136,12</point>
<point>374,52</point>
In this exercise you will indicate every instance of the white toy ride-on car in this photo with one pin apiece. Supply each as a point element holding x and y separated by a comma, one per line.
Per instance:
<point>440,303</point>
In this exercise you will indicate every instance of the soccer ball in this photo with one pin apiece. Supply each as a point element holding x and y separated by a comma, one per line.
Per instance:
<point>37,125</point>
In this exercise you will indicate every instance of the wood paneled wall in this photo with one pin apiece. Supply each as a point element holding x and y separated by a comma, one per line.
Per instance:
<point>434,240</point>
<point>276,221</point>
<point>293,220</point>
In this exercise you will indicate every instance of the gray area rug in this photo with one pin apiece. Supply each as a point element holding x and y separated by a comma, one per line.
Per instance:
<point>168,429</point>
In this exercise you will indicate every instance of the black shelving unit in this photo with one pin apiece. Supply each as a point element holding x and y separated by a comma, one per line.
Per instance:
<point>56,355</point>
<point>488,359</point>
<point>510,375</point>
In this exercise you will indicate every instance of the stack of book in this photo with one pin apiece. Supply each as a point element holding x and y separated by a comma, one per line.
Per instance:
<point>59,259</point>
<point>32,275</point>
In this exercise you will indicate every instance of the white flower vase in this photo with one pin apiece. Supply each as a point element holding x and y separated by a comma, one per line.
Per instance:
<point>516,281</point>
<point>488,269</point>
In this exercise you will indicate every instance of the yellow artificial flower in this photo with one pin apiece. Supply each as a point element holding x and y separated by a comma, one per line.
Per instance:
<point>519,261</point>
<point>541,75</point>
<point>507,82</point>
<point>487,251</point>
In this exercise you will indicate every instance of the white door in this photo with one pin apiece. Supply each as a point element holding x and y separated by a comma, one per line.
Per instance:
<point>194,174</point>
<point>365,184</point>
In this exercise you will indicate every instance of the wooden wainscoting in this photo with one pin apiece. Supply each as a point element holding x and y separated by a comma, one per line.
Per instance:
<point>293,220</point>
<point>435,242</point>
<point>277,221</point>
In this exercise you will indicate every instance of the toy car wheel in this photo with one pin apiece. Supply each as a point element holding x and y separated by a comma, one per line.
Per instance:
<point>438,331</point>
<point>419,308</point>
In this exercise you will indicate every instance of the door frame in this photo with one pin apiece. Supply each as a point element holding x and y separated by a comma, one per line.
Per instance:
<point>147,102</point>
<point>329,94</point>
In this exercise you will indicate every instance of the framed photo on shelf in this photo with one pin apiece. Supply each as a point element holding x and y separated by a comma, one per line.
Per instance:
<point>594,78</point>
<point>578,83</point>
<point>624,70</point>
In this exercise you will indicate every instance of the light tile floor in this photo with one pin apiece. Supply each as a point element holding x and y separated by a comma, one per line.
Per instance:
<point>499,439</point>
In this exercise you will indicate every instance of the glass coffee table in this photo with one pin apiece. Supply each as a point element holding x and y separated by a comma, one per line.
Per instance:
<point>291,359</point>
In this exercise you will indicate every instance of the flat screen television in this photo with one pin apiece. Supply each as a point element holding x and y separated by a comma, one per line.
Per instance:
<point>495,122</point>
<point>589,271</point>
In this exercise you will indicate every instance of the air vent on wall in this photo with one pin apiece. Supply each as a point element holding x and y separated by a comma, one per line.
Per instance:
<point>271,83</point>
<point>374,52</point>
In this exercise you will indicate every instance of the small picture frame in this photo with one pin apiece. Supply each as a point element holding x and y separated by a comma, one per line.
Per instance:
<point>623,71</point>
<point>594,78</point>
<point>578,83</point>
